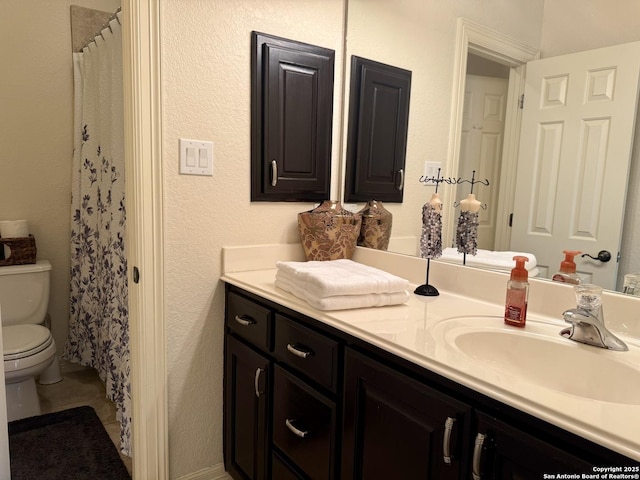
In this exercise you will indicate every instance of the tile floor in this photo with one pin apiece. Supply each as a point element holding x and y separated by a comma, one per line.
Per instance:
<point>82,386</point>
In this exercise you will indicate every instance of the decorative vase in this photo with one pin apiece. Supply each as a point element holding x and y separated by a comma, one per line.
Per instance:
<point>376,226</point>
<point>329,232</point>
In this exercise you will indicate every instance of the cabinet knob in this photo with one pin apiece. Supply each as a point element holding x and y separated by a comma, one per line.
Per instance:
<point>446,440</point>
<point>300,433</point>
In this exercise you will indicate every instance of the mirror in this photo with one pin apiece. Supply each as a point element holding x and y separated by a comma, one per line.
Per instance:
<point>421,37</point>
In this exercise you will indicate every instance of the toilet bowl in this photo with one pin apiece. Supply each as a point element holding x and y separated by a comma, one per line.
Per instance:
<point>28,347</point>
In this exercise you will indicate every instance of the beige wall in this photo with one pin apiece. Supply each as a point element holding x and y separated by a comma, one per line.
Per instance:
<point>36,123</point>
<point>206,95</point>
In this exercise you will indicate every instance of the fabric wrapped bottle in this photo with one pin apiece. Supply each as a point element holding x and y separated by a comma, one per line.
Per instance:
<point>329,232</point>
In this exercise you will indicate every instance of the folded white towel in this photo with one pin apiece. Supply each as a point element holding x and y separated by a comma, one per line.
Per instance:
<point>341,302</point>
<point>488,259</point>
<point>341,277</point>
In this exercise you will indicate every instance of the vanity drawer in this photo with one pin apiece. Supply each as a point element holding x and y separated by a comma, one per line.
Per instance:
<point>307,351</point>
<point>304,425</point>
<point>250,320</point>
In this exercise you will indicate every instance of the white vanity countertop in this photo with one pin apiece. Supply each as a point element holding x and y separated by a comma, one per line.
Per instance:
<point>409,331</point>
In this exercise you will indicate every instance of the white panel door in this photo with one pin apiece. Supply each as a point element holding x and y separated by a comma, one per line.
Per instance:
<point>575,148</point>
<point>481,148</point>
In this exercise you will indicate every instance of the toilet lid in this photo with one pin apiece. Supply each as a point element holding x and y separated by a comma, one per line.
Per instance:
<point>24,340</point>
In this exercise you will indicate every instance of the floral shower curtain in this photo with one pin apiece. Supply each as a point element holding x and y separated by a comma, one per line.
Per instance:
<point>99,320</point>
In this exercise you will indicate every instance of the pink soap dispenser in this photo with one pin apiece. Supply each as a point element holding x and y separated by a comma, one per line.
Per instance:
<point>515,310</point>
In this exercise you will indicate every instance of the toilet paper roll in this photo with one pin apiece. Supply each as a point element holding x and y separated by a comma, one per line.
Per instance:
<point>13,229</point>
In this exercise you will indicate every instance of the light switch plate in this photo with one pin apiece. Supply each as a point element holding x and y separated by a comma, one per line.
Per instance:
<point>431,169</point>
<point>196,157</point>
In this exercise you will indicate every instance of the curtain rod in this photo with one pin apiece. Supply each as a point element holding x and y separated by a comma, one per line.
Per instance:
<point>107,24</point>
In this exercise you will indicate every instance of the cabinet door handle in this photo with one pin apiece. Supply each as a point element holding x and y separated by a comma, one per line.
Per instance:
<point>256,382</point>
<point>446,440</point>
<point>299,352</point>
<point>477,456</point>
<point>274,173</point>
<point>401,172</point>
<point>244,320</point>
<point>300,433</point>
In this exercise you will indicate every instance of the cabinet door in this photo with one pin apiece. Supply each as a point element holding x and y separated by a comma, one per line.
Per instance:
<point>292,115</point>
<point>396,427</point>
<point>377,137</point>
<point>502,452</point>
<point>247,381</point>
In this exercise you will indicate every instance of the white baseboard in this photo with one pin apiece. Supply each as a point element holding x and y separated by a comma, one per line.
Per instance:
<point>216,472</point>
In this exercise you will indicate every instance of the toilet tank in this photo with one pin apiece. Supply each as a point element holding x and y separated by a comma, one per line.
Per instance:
<point>24,293</point>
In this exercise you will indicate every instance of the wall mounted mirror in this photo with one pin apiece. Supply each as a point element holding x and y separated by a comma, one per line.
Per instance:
<point>422,38</point>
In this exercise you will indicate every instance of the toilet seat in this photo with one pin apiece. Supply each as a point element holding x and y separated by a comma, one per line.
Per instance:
<point>20,342</point>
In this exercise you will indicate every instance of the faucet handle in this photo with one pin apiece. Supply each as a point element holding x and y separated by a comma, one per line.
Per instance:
<point>580,315</point>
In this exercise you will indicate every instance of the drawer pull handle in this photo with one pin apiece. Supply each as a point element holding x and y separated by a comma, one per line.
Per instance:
<point>477,454</point>
<point>298,352</point>
<point>256,382</point>
<point>244,320</point>
<point>296,431</point>
<point>401,173</point>
<point>446,440</point>
<point>274,173</point>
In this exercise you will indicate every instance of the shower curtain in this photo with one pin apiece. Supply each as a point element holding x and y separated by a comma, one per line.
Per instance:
<point>99,322</point>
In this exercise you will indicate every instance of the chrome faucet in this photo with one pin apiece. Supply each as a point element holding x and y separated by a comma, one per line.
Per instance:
<point>587,321</point>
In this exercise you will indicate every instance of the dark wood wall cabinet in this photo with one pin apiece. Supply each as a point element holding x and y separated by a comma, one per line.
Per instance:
<point>377,132</point>
<point>291,119</point>
<point>304,400</point>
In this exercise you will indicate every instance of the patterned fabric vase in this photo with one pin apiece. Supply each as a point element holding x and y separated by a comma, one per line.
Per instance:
<point>329,232</point>
<point>376,226</point>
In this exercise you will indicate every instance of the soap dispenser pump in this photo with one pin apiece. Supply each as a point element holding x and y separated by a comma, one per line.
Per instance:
<point>515,310</point>
<point>567,273</point>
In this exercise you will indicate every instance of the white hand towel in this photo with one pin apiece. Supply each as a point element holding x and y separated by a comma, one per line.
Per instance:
<point>342,302</point>
<point>341,277</point>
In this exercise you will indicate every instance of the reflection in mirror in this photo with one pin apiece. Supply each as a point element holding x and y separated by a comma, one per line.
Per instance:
<point>421,37</point>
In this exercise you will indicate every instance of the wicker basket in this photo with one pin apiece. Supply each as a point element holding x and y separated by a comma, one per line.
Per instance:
<point>23,250</point>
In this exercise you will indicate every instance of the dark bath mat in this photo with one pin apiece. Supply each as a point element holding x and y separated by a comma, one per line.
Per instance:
<point>69,445</point>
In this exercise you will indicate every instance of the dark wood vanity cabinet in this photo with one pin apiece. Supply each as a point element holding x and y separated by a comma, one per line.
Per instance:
<point>502,452</point>
<point>246,411</point>
<point>306,401</point>
<point>397,427</point>
<point>291,119</point>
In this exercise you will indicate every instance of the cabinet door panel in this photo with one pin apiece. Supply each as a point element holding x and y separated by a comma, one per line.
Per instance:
<point>292,115</point>
<point>511,454</point>
<point>394,426</point>
<point>247,380</point>
<point>378,126</point>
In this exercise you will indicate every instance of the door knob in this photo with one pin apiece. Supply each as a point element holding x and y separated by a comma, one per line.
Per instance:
<point>603,255</point>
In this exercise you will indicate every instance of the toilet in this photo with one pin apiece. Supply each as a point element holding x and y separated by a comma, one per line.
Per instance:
<point>28,347</point>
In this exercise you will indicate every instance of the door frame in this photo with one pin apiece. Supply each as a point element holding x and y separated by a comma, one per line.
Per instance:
<point>497,47</point>
<point>141,44</point>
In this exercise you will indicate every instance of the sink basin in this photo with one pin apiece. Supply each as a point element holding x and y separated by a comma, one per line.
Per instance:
<point>538,354</point>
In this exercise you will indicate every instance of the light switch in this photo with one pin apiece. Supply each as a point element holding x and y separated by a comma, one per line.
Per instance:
<point>196,157</point>
<point>432,170</point>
